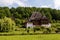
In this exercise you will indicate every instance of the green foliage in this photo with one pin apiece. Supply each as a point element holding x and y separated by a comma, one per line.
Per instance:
<point>57,30</point>
<point>47,30</point>
<point>6,24</point>
<point>19,22</point>
<point>28,29</point>
<point>37,28</point>
<point>25,12</point>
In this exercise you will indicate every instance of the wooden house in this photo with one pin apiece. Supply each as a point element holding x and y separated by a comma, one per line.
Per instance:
<point>37,19</point>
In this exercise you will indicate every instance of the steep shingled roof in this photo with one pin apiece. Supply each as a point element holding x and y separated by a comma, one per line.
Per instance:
<point>35,16</point>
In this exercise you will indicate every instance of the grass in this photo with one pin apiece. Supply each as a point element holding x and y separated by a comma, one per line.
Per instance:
<point>29,37</point>
<point>32,37</point>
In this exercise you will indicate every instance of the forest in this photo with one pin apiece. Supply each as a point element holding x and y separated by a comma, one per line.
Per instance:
<point>25,12</point>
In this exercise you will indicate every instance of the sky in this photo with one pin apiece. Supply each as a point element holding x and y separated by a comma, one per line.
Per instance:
<point>31,3</point>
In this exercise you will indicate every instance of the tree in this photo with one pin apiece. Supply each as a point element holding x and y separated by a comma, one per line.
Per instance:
<point>6,24</point>
<point>2,13</point>
<point>7,11</point>
<point>17,15</point>
<point>49,16</point>
<point>18,22</point>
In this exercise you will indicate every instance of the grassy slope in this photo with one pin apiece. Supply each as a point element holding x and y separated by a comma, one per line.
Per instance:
<point>32,37</point>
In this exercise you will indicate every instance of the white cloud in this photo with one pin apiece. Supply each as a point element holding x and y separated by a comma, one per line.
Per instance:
<point>10,2</point>
<point>25,0</point>
<point>5,2</point>
<point>45,6</point>
<point>20,3</point>
<point>57,4</point>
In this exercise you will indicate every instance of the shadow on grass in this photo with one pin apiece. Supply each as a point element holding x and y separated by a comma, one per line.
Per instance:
<point>26,34</point>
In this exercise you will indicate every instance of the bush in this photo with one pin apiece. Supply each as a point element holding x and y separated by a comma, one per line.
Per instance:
<point>57,30</point>
<point>28,29</point>
<point>6,24</point>
<point>47,30</point>
<point>36,28</point>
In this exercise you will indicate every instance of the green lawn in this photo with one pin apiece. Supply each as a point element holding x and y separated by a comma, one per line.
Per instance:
<point>32,37</point>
